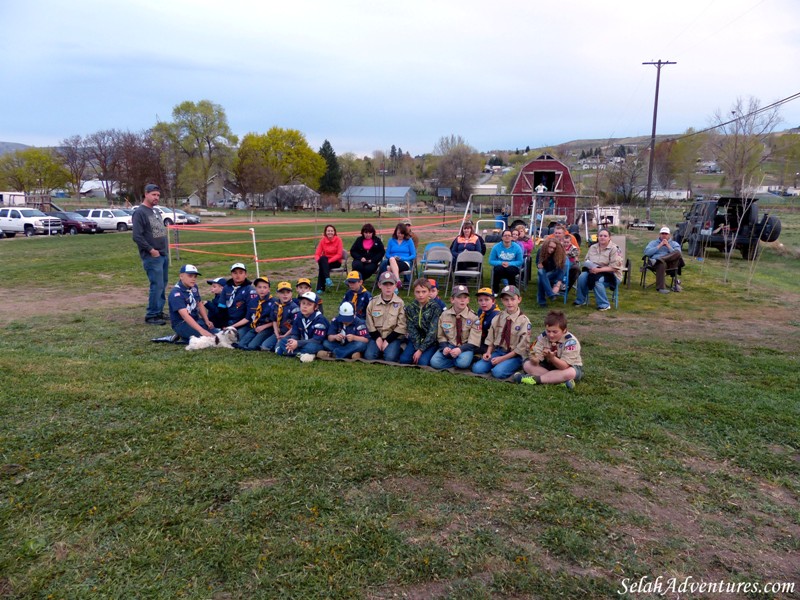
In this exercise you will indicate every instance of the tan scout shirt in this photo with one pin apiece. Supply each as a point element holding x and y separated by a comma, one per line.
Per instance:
<point>470,328</point>
<point>568,349</point>
<point>386,317</point>
<point>520,333</point>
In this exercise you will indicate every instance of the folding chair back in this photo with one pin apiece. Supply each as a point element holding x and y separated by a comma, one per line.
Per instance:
<point>438,265</point>
<point>469,266</point>
<point>341,271</point>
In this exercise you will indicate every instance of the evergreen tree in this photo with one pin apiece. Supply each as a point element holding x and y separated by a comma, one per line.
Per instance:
<point>583,154</point>
<point>331,182</point>
<point>527,149</point>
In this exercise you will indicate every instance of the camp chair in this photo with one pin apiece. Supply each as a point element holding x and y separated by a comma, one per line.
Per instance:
<point>423,261</point>
<point>342,270</point>
<point>647,266</point>
<point>438,265</point>
<point>469,266</point>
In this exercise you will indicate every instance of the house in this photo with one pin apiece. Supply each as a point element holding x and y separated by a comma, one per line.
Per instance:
<point>361,195</point>
<point>220,192</point>
<point>292,197</point>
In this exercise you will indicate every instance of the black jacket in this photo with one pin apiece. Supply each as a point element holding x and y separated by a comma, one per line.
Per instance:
<point>375,254</point>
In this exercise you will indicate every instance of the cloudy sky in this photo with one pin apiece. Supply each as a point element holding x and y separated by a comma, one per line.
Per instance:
<point>369,74</point>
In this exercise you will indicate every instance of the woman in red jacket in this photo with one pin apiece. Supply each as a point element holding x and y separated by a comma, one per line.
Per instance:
<point>329,256</point>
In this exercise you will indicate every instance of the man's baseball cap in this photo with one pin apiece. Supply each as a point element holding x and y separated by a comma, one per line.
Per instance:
<point>190,269</point>
<point>460,290</point>
<point>284,285</point>
<point>485,292</point>
<point>151,187</point>
<point>406,221</point>
<point>353,276</point>
<point>265,279</point>
<point>309,296</point>
<point>235,266</point>
<point>510,290</point>
<point>218,280</point>
<point>387,277</point>
<point>664,230</point>
<point>346,312</point>
<point>303,280</point>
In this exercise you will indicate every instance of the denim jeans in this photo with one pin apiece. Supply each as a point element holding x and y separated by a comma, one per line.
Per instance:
<point>600,283</point>
<point>157,269</point>
<point>250,340</point>
<point>269,344</point>
<point>500,370</point>
<point>545,283</point>
<point>310,347</point>
<point>463,361</point>
<point>186,332</point>
<point>390,354</point>
<point>407,357</point>
<point>345,350</point>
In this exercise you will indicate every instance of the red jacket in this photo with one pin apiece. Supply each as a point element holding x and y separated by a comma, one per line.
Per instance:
<point>330,248</point>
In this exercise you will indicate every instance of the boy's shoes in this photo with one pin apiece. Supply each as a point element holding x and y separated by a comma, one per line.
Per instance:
<point>356,355</point>
<point>664,291</point>
<point>570,385</point>
<point>603,308</point>
<point>319,292</point>
<point>523,378</point>
<point>324,354</point>
<point>329,282</point>
<point>155,320</point>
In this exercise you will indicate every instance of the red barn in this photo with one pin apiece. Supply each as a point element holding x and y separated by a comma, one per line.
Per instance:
<point>558,195</point>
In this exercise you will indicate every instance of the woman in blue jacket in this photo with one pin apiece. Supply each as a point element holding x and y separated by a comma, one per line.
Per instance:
<point>506,260</point>
<point>400,252</point>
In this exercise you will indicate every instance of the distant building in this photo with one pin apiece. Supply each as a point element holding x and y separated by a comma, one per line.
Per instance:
<point>96,188</point>
<point>359,195</point>
<point>292,197</point>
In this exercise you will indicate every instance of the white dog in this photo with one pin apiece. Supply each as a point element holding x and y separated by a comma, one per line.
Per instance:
<point>223,339</point>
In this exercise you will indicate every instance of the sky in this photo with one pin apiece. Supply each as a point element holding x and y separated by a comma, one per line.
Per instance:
<point>367,75</point>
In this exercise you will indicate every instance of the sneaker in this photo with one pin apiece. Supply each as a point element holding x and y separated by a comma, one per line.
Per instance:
<point>664,291</point>
<point>503,282</point>
<point>603,308</point>
<point>324,354</point>
<point>528,380</point>
<point>570,385</point>
<point>576,303</point>
<point>329,282</point>
<point>319,292</point>
<point>155,321</point>
<point>356,355</point>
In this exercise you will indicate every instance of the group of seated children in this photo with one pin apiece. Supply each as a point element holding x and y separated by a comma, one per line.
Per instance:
<point>424,332</point>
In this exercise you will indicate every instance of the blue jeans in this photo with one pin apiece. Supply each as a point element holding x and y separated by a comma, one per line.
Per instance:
<point>391,354</point>
<point>345,350</point>
<point>546,281</point>
<point>600,283</point>
<point>500,370</point>
<point>186,332</point>
<point>407,357</point>
<point>157,270</point>
<point>464,360</point>
<point>310,347</point>
<point>250,340</point>
<point>269,344</point>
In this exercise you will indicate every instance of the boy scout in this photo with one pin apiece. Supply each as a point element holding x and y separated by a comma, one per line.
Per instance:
<point>507,342</point>
<point>555,356</point>
<point>386,321</point>
<point>458,334</point>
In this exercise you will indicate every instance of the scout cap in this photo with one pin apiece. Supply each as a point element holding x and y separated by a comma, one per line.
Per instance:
<point>265,279</point>
<point>387,277</point>
<point>190,269</point>
<point>218,280</point>
<point>460,290</point>
<point>235,266</point>
<point>284,285</point>
<point>309,296</point>
<point>485,292</point>
<point>433,283</point>
<point>353,276</point>
<point>509,290</point>
<point>305,280</point>
<point>346,312</point>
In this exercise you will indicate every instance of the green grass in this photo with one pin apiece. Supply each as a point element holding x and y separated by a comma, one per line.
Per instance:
<point>131,469</point>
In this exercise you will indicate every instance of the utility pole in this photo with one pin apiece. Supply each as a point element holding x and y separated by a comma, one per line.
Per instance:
<point>658,64</point>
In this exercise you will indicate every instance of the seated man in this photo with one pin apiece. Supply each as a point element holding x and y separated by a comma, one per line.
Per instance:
<point>665,255</point>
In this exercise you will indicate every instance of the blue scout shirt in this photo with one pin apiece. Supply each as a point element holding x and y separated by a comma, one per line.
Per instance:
<point>237,298</point>
<point>181,297</point>
<point>259,317</point>
<point>313,328</point>
<point>283,314</point>
<point>357,327</point>
<point>486,318</point>
<point>359,300</point>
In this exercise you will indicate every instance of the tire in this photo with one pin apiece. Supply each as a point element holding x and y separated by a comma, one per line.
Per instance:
<point>167,222</point>
<point>10,234</point>
<point>122,227</point>
<point>770,229</point>
<point>750,251</point>
<point>73,230</point>
<point>29,231</point>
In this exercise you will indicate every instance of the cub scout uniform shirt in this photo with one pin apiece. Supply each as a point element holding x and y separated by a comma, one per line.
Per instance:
<point>520,333</point>
<point>237,297</point>
<point>283,314</point>
<point>568,348</point>
<point>447,332</point>
<point>183,297</point>
<point>314,327</point>
<point>386,318</point>
<point>355,327</point>
<point>359,300</point>
<point>258,310</point>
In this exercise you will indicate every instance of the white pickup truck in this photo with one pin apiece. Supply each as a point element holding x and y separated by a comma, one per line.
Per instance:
<point>28,221</point>
<point>107,219</point>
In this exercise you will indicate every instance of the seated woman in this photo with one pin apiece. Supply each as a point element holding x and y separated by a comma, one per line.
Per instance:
<point>524,240</point>
<point>602,269</point>
<point>552,265</point>
<point>506,261</point>
<point>328,256</point>
<point>400,253</point>
<point>367,252</point>
<point>467,239</point>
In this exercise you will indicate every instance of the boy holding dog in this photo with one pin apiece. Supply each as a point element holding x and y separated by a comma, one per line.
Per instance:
<point>187,314</point>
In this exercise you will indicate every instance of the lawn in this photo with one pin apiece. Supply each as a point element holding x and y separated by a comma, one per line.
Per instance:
<point>132,469</point>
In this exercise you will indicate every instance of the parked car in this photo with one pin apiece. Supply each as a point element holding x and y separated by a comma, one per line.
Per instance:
<point>190,218</point>
<point>727,224</point>
<point>74,223</point>
<point>169,215</point>
<point>29,221</point>
<point>108,219</point>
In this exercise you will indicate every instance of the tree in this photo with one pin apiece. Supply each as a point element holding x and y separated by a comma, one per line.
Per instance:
<point>202,133</point>
<point>352,169</point>
<point>739,141</point>
<point>459,166</point>
<point>103,152</point>
<point>33,171</point>
<point>684,155</point>
<point>331,182</point>
<point>786,149</point>
<point>624,177</point>
<point>74,157</point>
<point>138,163</point>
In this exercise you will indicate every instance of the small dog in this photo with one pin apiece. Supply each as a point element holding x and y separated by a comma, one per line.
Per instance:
<point>224,339</point>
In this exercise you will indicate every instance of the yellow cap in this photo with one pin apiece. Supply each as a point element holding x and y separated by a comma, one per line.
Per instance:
<point>305,280</point>
<point>284,285</point>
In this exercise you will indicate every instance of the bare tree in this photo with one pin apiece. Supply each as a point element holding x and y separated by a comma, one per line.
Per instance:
<point>739,141</point>
<point>74,156</point>
<point>103,154</point>
<point>624,178</point>
<point>459,165</point>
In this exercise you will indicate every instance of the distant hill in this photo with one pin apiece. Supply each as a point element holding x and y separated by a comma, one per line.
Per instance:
<point>6,147</point>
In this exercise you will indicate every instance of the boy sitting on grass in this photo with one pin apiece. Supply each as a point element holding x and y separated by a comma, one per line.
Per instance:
<point>422,321</point>
<point>258,316</point>
<point>507,342</point>
<point>216,308</point>
<point>187,314</point>
<point>555,357</point>
<point>302,286</point>
<point>347,334</point>
<point>386,321</point>
<point>282,313</point>
<point>358,295</point>
<point>308,330</point>
<point>458,334</point>
<point>487,311</point>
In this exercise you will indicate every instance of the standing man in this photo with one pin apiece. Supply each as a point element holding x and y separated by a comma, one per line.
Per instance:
<point>151,237</point>
<point>665,255</point>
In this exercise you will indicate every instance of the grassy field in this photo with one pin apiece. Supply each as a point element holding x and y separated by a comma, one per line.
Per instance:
<point>138,470</point>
